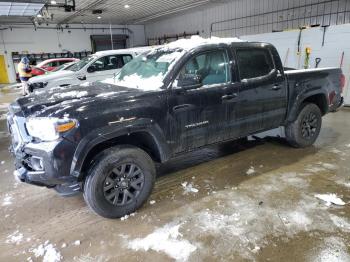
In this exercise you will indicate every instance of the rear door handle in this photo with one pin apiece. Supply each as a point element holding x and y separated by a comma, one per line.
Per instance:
<point>276,87</point>
<point>229,96</point>
<point>182,107</point>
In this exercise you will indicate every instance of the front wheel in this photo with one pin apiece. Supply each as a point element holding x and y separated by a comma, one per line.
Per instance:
<point>119,181</point>
<point>304,131</point>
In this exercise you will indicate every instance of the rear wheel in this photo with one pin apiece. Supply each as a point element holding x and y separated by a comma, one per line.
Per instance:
<point>119,181</point>
<point>304,131</point>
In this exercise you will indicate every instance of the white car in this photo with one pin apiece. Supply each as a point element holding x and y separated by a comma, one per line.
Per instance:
<point>95,67</point>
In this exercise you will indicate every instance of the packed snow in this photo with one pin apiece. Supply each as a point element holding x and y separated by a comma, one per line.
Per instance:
<point>152,202</point>
<point>166,239</point>
<point>77,94</point>
<point>77,243</point>
<point>48,252</point>
<point>188,188</point>
<point>7,200</point>
<point>15,238</point>
<point>331,199</point>
<point>250,171</point>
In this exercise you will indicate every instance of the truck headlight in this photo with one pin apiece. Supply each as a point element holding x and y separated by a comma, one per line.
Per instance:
<point>49,128</point>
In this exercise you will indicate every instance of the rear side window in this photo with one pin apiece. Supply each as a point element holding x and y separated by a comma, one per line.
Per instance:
<point>254,62</point>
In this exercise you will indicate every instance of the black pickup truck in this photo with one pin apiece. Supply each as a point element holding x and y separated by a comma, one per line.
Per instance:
<point>104,138</point>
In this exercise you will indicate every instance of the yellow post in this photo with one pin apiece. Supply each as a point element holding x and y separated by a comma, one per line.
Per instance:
<point>4,79</point>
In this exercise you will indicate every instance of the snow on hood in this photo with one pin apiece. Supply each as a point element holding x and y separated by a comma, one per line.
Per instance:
<point>195,41</point>
<point>51,76</point>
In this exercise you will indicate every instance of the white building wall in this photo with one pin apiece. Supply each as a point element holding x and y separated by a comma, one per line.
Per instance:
<point>254,28</point>
<point>252,17</point>
<point>336,42</point>
<point>27,40</point>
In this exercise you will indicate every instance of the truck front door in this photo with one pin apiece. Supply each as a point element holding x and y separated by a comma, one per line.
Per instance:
<point>197,109</point>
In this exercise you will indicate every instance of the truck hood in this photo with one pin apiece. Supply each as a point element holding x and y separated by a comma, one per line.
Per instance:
<point>51,76</point>
<point>61,101</point>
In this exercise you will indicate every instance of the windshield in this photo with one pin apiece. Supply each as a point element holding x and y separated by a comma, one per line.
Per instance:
<point>147,71</point>
<point>80,64</point>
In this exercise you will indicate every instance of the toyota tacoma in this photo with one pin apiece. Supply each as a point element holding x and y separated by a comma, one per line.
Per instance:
<point>104,138</point>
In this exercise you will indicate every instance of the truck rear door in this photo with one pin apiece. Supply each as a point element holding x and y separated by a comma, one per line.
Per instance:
<point>262,101</point>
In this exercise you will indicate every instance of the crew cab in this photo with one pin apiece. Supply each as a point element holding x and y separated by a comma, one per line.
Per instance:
<point>101,65</point>
<point>104,139</point>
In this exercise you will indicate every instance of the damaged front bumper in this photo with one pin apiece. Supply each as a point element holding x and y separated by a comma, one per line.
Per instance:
<point>40,163</point>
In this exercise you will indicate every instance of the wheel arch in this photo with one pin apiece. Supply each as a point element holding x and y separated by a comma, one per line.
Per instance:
<point>151,141</point>
<point>319,99</point>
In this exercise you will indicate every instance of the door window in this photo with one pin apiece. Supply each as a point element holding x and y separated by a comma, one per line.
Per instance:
<point>254,62</point>
<point>110,62</point>
<point>208,68</point>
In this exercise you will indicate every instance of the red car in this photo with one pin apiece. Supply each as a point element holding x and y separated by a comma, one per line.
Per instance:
<point>50,64</point>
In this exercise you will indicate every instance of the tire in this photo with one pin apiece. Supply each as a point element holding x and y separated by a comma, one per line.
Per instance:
<point>304,131</point>
<point>119,181</point>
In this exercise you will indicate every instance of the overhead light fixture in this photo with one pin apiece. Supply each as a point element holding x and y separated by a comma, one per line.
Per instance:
<point>99,17</point>
<point>53,2</point>
<point>126,6</point>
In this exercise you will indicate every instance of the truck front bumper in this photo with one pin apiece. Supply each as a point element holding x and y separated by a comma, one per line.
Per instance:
<point>46,163</point>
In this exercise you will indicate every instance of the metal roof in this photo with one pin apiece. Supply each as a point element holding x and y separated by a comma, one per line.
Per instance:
<point>113,11</point>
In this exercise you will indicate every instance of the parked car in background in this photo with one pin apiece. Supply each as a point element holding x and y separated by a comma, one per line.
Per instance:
<point>37,71</point>
<point>95,67</point>
<point>64,66</point>
<point>51,64</point>
<point>105,139</point>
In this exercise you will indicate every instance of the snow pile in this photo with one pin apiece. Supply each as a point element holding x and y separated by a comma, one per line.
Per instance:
<point>188,188</point>
<point>7,200</point>
<point>196,41</point>
<point>86,84</point>
<point>48,252</point>
<point>15,238</point>
<point>167,239</point>
<point>77,243</point>
<point>127,216</point>
<point>107,94</point>
<point>331,199</point>
<point>77,94</point>
<point>250,171</point>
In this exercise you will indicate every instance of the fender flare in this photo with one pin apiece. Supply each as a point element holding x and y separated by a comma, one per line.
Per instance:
<point>293,112</point>
<point>106,133</point>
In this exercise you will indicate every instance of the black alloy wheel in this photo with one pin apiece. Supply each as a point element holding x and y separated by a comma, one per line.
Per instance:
<point>123,184</point>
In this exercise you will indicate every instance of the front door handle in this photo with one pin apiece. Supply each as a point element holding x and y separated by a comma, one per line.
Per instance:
<point>82,78</point>
<point>181,107</point>
<point>276,87</point>
<point>229,96</point>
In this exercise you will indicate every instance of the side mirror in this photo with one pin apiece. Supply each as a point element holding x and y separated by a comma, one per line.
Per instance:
<point>190,81</point>
<point>91,69</point>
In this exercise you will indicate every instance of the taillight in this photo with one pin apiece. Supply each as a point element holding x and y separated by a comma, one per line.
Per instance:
<point>342,82</point>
